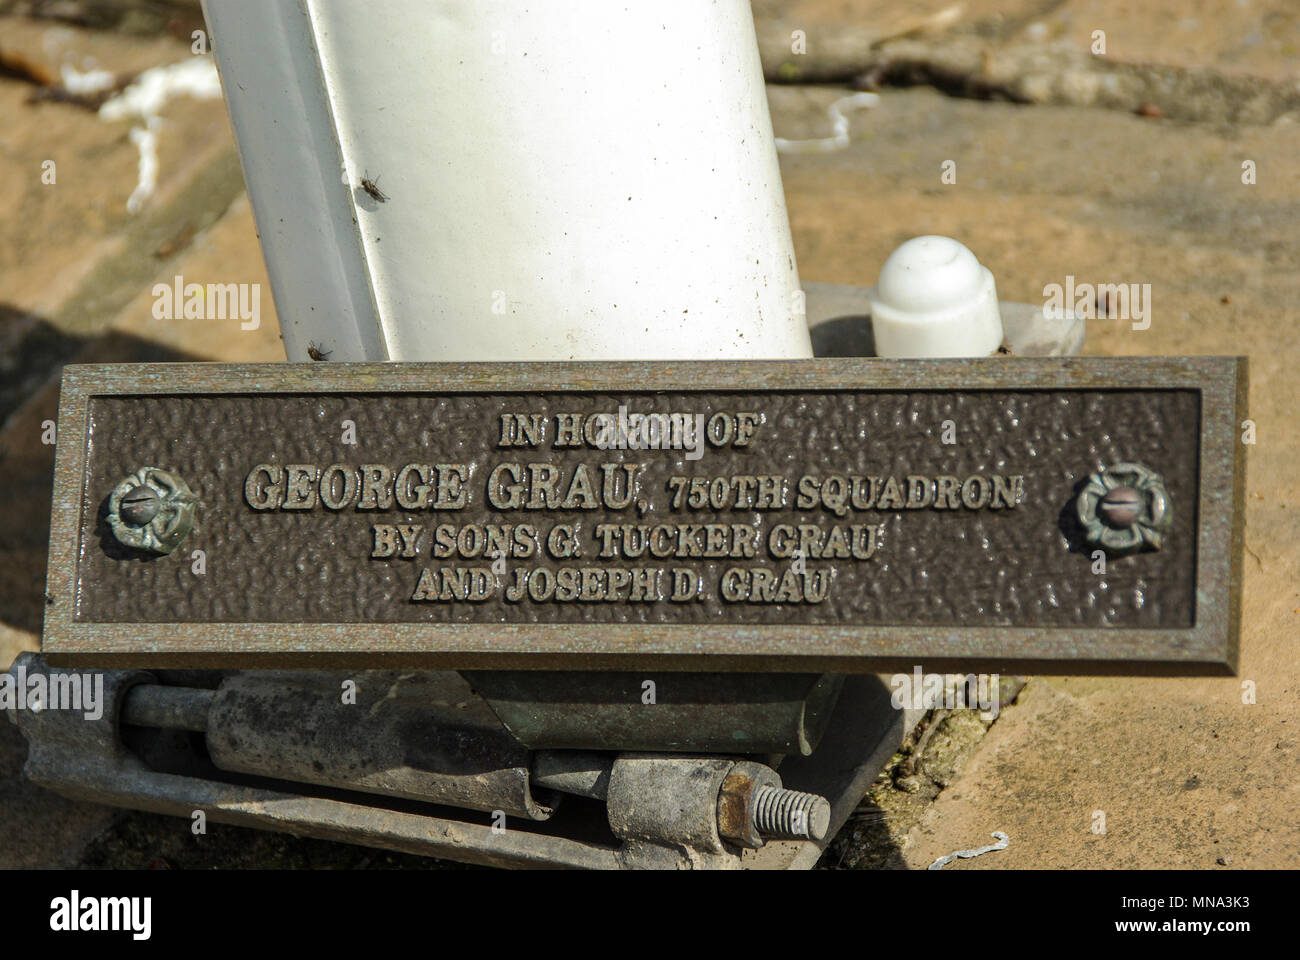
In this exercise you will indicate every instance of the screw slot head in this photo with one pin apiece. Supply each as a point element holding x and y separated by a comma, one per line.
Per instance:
<point>139,506</point>
<point>1120,507</point>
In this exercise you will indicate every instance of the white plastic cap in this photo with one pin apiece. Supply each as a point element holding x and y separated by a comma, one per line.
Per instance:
<point>934,299</point>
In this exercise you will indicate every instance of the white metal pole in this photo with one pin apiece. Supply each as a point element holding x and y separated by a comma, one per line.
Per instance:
<point>565,180</point>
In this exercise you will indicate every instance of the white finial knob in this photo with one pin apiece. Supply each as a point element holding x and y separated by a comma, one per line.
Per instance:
<point>934,299</point>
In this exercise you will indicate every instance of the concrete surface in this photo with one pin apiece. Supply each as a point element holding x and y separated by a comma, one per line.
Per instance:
<point>1185,772</point>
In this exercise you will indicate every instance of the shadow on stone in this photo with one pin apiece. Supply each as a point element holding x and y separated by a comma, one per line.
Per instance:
<point>848,336</point>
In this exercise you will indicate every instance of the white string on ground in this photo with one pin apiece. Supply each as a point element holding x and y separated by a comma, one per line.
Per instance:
<point>87,82</point>
<point>144,98</point>
<point>1002,841</point>
<point>839,126</point>
<point>146,141</point>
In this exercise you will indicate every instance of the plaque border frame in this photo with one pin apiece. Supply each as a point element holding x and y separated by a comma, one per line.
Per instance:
<point>1209,647</point>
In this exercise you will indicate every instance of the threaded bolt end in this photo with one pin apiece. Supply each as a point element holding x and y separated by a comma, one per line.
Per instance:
<point>790,814</point>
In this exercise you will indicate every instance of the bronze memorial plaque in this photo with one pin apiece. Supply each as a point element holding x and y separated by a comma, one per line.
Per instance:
<point>1049,515</point>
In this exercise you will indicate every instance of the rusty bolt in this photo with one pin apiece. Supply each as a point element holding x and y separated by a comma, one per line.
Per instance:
<point>1120,507</point>
<point>753,805</point>
<point>139,506</point>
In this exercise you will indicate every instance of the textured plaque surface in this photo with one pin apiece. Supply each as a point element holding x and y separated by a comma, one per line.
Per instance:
<point>854,515</point>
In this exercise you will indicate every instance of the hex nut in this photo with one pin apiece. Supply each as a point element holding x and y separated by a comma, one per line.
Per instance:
<point>738,800</point>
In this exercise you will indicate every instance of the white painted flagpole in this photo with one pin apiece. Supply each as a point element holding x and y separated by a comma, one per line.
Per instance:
<point>578,180</point>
